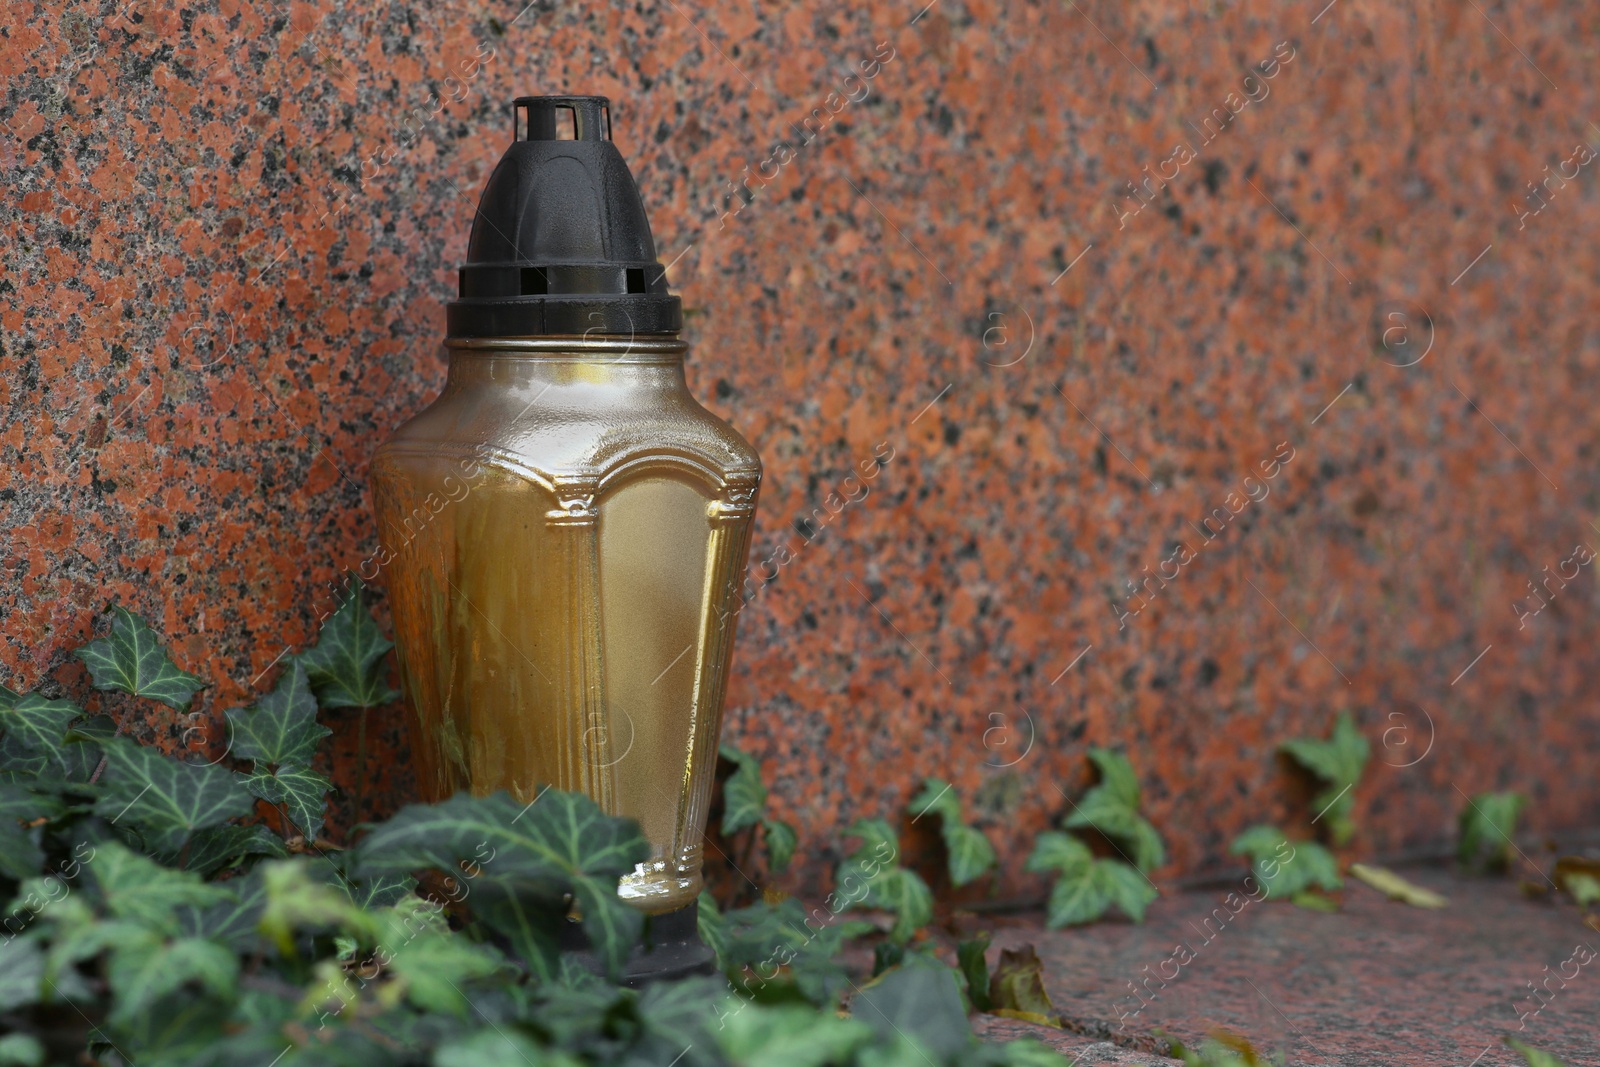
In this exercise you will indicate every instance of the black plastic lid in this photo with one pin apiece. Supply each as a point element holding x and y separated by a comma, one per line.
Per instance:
<point>561,244</point>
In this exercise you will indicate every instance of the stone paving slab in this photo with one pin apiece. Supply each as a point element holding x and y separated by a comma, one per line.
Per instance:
<point>1378,983</point>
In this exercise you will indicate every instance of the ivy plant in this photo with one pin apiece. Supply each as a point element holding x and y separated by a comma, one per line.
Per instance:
<point>1111,808</point>
<point>1087,886</point>
<point>744,805</point>
<point>1488,827</point>
<point>1338,763</point>
<point>152,919</point>
<point>967,851</point>
<point>1288,870</point>
<point>872,877</point>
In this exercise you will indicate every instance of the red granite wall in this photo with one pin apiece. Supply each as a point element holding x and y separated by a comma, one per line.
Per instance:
<point>1084,267</point>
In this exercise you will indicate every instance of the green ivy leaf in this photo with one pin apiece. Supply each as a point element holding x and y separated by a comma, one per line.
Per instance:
<point>1531,1056</point>
<point>967,850</point>
<point>1085,893</point>
<point>232,921</point>
<point>974,963</point>
<point>765,937</point>
<point>132,660</point>
<point>612,925</point>
<point>218,847</point>
<point>903,892</point>
<point>303,793</point>
<point>141,891</point>
<point>1338,761</point>
<point>1112,808</point>
<point>146,967</point>
<point>937,798</point>
<point>35,731</point>
<point>1488,826</point>
<point>1286,869</point>
<point>165,800</point>
<point>1116,776</point>
<point>712,928</point>
<point>532,925</point>
<point>21,1050</point>
<point>281,730</point>
<point>23,973</point>
<point>919,999</point>
<point>744,795</point>
<point>781,841</point>
<point>432,964</point>
<point>787,1036</point>
<point>560,843</point>
<point>970,852</point>
<point>20,855</point>
<point>346,667</point>
<point>1055,851</point>
<point>498,1046</point>
<point>1127,887</point>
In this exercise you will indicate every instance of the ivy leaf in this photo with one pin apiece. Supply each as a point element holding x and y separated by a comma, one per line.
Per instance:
<point>302,791</point>
<point>561,843</point>
<point>218,847</point>
<point>20,855</point>
<point>903,892</point>
<point>1086,887</point>
<point>1112,808</point>
<point>1055,851</point>
<point>919,999</point>
<point>788,1036</point>
<point>499,1047</point>
<point>132,660</point>
<point>781,841</point>
<point>143,892</point>
<point>429,960</point>
<point>1127,887</point>
<point>1079,896</point>
<point>21,1050</point>
<point>23,974</point>
<point>532,926</point>
<point>346,667</point>
<point>35,730</point>
<point>1531,1056</point>
<point>146,967</point>
<point>1286,870</point>
<point>612,925</point>
<point>1116,776</point>
<point>763,936</point>
<point>1339,762</point>
<point>971,854</point>
<point>231,921</point>
<point>970,955</point>
<point>1488,824</point>
<point>744,795</point>
<point>968,851</point>
<point>938,798</point>
<point>281,730</point>
<point>870,875</point>
<point>712,928</point>
<point>164,800</point>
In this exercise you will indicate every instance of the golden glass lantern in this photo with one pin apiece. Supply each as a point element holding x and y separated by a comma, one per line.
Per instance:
<point>569,527</point>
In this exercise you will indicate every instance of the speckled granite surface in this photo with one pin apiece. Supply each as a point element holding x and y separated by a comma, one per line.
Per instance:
<point>1376,983</point>
<point>229,229</point>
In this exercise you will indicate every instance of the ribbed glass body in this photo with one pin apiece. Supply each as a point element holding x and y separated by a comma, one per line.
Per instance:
<point>568,530</point>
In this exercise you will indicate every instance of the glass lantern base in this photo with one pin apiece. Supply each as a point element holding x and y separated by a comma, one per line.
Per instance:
<point>672,949</point>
